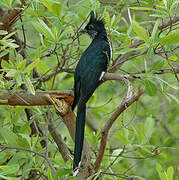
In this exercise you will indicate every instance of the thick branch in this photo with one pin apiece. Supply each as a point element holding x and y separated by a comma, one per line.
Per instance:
<point>62,147</point>
<point>109,124</point>
<point>24,98</point>
<point>40,98</point>
<point>69,118</point>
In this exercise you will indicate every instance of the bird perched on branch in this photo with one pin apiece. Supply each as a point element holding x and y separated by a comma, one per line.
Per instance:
<point>88,73</point>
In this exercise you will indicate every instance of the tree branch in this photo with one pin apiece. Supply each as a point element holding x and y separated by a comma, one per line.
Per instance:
<point>124,105</point>
<point>125,57</point>
<point>24,98</point>
<point>64,111</point>
<point>29,150</point>
<point>40,98</point>
<point>168,22</point>
<point>62,147</point>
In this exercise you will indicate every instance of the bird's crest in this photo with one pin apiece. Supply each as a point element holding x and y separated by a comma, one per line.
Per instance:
<point>95,26</point>
<point>96,20</point>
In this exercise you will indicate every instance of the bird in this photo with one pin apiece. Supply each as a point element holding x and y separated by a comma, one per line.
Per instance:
<point>88,74</point>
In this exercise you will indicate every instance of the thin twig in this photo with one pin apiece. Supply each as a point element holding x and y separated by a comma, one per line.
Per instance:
<point>29,150</point>
<point>173,69</point>
<point>168,22</point>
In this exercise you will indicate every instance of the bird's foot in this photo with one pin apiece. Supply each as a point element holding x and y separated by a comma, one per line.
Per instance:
<point>76,170</point>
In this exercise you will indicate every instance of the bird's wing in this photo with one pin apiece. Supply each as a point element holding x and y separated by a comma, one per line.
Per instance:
<point>77,86</point>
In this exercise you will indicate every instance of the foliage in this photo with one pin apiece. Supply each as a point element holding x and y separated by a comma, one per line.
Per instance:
<point>143,141</point>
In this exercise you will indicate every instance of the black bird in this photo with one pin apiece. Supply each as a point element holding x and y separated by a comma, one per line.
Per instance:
<point>88,73</point>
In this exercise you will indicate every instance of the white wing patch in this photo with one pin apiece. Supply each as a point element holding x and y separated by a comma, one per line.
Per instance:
<point>102,75</point>
<point>110,49</point>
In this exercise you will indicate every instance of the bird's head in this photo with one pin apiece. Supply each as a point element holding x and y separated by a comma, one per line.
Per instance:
<point>95,26</point>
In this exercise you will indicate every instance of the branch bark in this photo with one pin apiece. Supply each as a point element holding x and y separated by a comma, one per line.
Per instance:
<point>23,98</point>
<point>169,22</point>
<point>124,105</point>
<point>62,147</point>
<point>64,111</point>
<point>40,98</point>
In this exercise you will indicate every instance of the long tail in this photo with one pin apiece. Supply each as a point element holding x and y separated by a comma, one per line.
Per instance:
<point>79,135</point>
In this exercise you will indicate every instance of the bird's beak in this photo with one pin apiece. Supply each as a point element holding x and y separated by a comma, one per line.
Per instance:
<point>82,31</point>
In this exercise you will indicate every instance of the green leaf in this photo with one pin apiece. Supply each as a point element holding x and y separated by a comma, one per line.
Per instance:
<point>13,45</point>
<point>165,82</point>
<point>140,31</point>
<point>116,153</point>
<point>173,97</point>
<point>5,64</point>
<point>55,33</point>
<point>2,32</point>
<point>155,30</point>
<point>50,176</point>
<point>54,6</point>
<point>170,172</point>
<point>159,15</point>
<point>150,88</point>
<point>25,129</point>
<point>24,141</point>
<point>149,127</point>
<point>19,58</point>
<point>63,171</point>
<point>29,85</point>
<point>139,131</point>
<point>3,53</point>
<point>31,66</point>
<point>10,137</point>
<point>41,27</point>
<point>9,35</point>
<point>42,67</point>
<point>174,6</point>
<point>170,39</point>
<point>157,65</point>
<point>18,79</point>
<point>123,135</point>
<point>8,178</point>
<point>27,168</point>
<point>12,73</point>
<point>160,172</point>
<point>10,169</point>
<point>21,65</point>
<point>113,20</point>
<point>107,18</point>
<point>20,157</point>
<point>3,101</point>
<point>143,9</point>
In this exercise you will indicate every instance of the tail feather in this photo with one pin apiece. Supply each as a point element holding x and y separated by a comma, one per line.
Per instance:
<point>79,135</point>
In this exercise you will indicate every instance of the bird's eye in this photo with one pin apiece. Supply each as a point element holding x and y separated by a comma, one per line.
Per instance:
<point>90,27</point>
